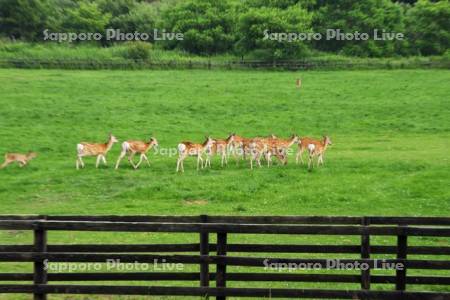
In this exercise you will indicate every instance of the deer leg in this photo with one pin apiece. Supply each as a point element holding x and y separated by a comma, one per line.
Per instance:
<point>140,161</point>
<point>7,162</point>
<point>121,156</point>
<point>81,161</point>
<point>310,161</point>
<point>258,159</point>
<point>146,159</point>
<point>178,163</point>
<point>98,161</point>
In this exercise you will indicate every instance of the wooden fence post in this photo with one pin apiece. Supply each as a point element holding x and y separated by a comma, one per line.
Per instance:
<point>40,245</point>
<point>402,251</point>
<point>365,254</point>
<point>221,267</point>
<point>204,250</point>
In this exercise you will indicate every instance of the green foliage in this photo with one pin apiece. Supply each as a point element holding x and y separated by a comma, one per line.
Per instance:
<point>24,19</point>
<point>362,17</point>
<point>428,25</point>
<point>258,22</point>
<point>86,17</point>
<point>207,25</point>
<point>137,50</point>
<point>237,27</point>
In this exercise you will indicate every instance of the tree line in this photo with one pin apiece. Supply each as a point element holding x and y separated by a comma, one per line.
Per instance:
<point>241,28</point>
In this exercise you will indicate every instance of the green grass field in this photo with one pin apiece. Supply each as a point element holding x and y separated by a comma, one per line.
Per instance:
<point>390,133</point>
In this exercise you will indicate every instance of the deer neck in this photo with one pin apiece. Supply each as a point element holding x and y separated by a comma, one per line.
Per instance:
<point>291,141</point>
<point>324,145</point>
<point>205,144</point>
<point>229,140</point>
<point>109,144</point>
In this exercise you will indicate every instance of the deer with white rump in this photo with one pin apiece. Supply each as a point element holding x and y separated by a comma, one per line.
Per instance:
<point>93,149</point>
<point>133,147</point>
<point>186,149</point>
<point>315,149</point>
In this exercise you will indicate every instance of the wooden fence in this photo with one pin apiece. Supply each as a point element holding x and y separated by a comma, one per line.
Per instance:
<point>292,65</point>
<point>216,283</point>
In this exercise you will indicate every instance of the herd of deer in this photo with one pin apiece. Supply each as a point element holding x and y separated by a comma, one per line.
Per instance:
<point>255,149</point>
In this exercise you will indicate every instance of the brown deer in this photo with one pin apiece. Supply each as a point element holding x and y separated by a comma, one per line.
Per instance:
<point>21,159</point>
<point>257,148</point>
<point>220,147</point>
<point>241,145</point>
<point>186,149</point>
<point>316,148</point>
<point>302,147</point>
<point>133,147</point>
<point>92,149</point>
<point>279,148</point>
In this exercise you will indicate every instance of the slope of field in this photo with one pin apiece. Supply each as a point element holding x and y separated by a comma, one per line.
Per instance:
<point>390,133</point>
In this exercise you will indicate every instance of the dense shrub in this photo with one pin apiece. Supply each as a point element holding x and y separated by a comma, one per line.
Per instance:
<point>137,50</point>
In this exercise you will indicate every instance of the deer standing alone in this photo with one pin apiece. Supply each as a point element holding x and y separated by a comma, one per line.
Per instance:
<point>21,159</point>
<point>186,149</point>
<point>133,147</point>
<point>315,148</point>
<point>92,149</point>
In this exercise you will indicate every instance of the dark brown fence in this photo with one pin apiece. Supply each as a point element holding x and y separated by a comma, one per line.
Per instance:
<point>219,254</point>
<point>292,65</point>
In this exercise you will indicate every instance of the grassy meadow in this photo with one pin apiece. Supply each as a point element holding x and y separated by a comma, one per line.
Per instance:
<point>390,152</point>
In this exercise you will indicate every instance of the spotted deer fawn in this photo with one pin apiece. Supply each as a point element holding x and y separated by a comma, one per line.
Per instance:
<point>21,159</point>
<point>186,149</point>
<point>91,149</point>
<point>219,147</point>
<point>314,148</point>
<point>133,147</point>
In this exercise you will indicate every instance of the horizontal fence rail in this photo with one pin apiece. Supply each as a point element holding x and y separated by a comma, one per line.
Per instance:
<point>223,256</point>
<point>293,65</point>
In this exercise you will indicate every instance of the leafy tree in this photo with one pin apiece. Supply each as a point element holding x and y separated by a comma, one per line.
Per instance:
<point>256,24</point>
<point>428,25</point>
<point>142,17</point>
<point>363,17</point>
<point>207,25</point>
<point>86,16</point>
<point>23,19</point>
